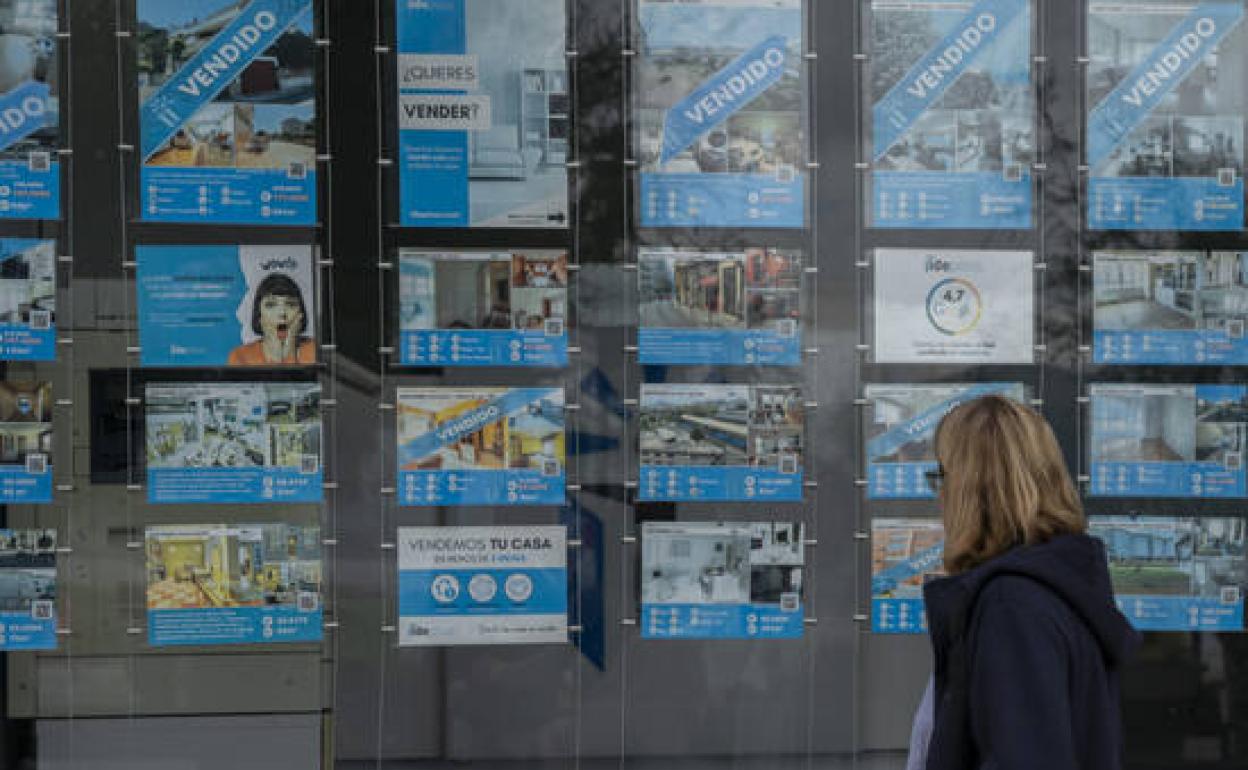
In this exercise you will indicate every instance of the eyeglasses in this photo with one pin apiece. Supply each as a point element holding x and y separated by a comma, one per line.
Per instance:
<point>935,478</point>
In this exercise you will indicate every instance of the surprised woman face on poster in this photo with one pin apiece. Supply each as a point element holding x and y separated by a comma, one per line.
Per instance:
<point>279,318</point>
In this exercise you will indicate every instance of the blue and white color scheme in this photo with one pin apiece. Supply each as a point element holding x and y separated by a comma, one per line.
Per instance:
<point>27,299</point>
<point>720,307</point>
<point>246,584</point>
<point>226,305</point>
<point>26,442</point>
<point>722,580</point>
<point>233,442</point>
<point>227,114</point>
<point>477,308</point>
<point>721,442</point>
<point>484,113</point>
<point>1170,307</point>
<point>720,95</point>
<point>1176,573</point>
<point>1168,440</point>
<point>482,585</point>
<point>952,114</point>
<point>902,429</point>
<point>481,446</point>
<point>905,553</point>
<point>30,172</point>
<point>1165,127</point>
<point>28,589</point>
<point>943,306</point>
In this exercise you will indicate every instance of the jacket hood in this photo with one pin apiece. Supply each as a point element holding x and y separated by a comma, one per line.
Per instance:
<point>1072,566</point>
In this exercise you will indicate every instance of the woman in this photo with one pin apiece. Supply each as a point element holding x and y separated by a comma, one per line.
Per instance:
<point>1027,639</point>
<point>279,317</point>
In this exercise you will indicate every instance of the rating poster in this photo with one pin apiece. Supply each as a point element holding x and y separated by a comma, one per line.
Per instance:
<point>1168,440</point>
<point>722,580</point>
<point>28,589</point>
<point>233,442</point>
<point>721,442</point>
<point>952,114</point>
<point>475,308</point>
<point>481,446</point>
<point>720,95</point>
<point>484,113</point>
<point>901,432</point>
<point>25,442</point>
<point>937,306</point>
<point>905,554</point>
<point>1165,122</point>
<point>720,307</point>
<point>27,299</point>
<point>1170,307</point>
<point>226,305</point>
<point>227,111</point>
<point>241,584</point>
<point>482,585</point>
<point>30,168</point>
<point>1176,573</point>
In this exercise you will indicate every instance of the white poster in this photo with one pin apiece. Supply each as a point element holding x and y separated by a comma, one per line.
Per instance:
<point>953,306</point>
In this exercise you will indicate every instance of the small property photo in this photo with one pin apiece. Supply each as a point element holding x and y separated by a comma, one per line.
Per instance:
<point>27,282</point>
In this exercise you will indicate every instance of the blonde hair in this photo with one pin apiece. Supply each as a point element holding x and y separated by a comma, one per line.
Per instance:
<point>1005,483</point>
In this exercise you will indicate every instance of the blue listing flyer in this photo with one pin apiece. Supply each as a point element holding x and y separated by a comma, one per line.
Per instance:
<point>901,432</point>
<point>245,584</point>
<point>481,446</point>
<point>720,308</point>
<point>227,305</point>
<point>1170,307</point>
<point>482,585</point>
<point>720,93</point>
<point>30,172</point>
<point>1176,573</point>
<point>1165,123</point>
<point>1168,440</point>
<point>474,308</point>
<point>722,442</point>
<point>484,114</point>
<point>905,553</point>
<point>952,114</point>
<point>722,580</point>
<point>25,442</point>
<point>27,589</point>
<point>233,442</point>
<point>27,299</point>
<point>227,115</point>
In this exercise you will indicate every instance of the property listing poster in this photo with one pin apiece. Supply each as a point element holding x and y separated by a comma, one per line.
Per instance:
<point>721,580</point>
<point>952,114</point>
<point>25,442</point>
<point>238,584</point>
<point>233,442</point>
<point>27,589</point>
<point>227,111</point>
<point>482,585</point>
<point>1168,440</point>
<point>720,307</point>
<point>1176,573</point>
<point>481,446</point>
<point>1165,123</point>
<point>901,432</point>
<point>937,306</point>
<point>720,97</point>
<point>484,113</point>
<point>476,308</point>
<point>1170,307</point>
<point>905,553</point>
<point>226,305</point>
<point>27,297</point>
<point>30,173</point>
<point>721,442</point>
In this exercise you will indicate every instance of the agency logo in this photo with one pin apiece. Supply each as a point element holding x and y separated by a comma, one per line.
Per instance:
<point>954,306</point>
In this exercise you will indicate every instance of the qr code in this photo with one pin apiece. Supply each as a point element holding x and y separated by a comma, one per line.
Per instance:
<point>786,327</point>
<point>36,463</point>
<point>785,173</point>
<point>1226,177</point>
<point>789,602</point>
<point>550,468</point>
<point>1229,594</point>
<point>41,610</point>
<point>554,327</point>
<point>307,601</point>
<point>788,464</point>
<point>40,320</point>
<point>297,171</point>
<point>309,464</point>
<point>1235,329</point>
<point>1234,460</point>
<point>1013,172</point>
<point>40,161</point>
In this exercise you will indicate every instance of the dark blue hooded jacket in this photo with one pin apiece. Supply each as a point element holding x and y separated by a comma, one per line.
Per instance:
<point>1027,651</point>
